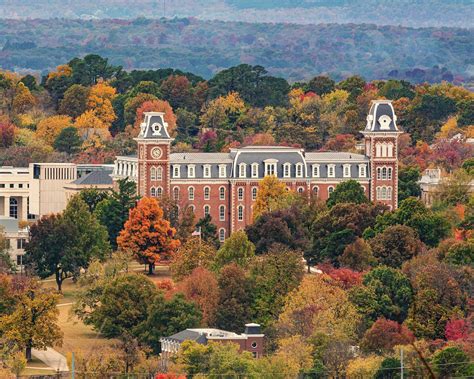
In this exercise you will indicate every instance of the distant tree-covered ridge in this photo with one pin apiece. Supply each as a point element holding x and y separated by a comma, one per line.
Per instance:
<point>294,52</point>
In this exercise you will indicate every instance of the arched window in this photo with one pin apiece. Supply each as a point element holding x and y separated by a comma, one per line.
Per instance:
<point>389,173</point>
<point>222,213</point>
<point>287,170</point>
<point>300,189</point>
<point>254,193</point>
<point>192,208</point>
<point>383,193</point>
<point>13,208</point>
<point>384,173</point>
<point>330,190</point>
<point>254,170</point>
<point>207,210</point>
<point>299,170</point>
<point>190,193</point>
<point>378,149</point>
<point>315,191</point>
<point>390,149</point>
<point>221,235</point>
<point>378,193</point>
<point>159,192</point>
<point>240,194</point>
<point>379,173</point>
<point>240,213</point>
<point>159,173</point>
<point>153,192</point>
<point>389,193</point>
<point>242,170</point>
<point>176,193</point>
<point>207,193</point>
<point>153,173</point>
<point>222,193</point>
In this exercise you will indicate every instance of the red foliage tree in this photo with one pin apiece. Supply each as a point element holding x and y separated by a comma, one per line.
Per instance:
<point>457,329</point>
<point>384,335</point>
<point>341,142</point>
<point>7,134</point>
<point>345,277</point>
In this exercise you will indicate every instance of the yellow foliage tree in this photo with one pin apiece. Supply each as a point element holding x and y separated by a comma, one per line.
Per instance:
<point>318,306</point>
<point>100,103</point>
<point>62,70</point>
<point>23,99</point>
<point>363,367</point>
<point>49,128</point>
<point>449,128</point>
<point>272,195</point>
<point>297,352</point>
<point>89,120</point>
<point>223,112</point>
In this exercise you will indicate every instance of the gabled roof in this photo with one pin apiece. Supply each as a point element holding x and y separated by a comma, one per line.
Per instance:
<point>101,177</point>
<point>189,335</point>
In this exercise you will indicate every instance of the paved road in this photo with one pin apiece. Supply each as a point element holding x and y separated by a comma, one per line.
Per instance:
<point>51,358</point>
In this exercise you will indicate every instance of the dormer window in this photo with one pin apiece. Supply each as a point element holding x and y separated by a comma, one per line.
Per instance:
<point>207,170</point>
<point>315,171</point>
<point>347,171</point>
<point>254,170</point>
<point>384,122</point>
<point>331,171</point>
<point>287,170</point>
<point>362,171</point>
<point>242,170</point>
<point>191,171</point>
<point>222,171</point>
<point>299,170</point>
<point>271,167</point>
<point>176,171</point>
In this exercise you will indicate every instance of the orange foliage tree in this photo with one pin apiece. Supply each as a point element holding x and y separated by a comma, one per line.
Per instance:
<point>100,102</point>
<point>50,127</point>
<point>156,106</point>
<point>147,235</point>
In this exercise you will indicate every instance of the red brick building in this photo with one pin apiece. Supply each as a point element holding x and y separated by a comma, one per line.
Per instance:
<point>225,185</point>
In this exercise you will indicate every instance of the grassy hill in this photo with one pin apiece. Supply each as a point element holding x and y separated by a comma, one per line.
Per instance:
<point>295,52</point>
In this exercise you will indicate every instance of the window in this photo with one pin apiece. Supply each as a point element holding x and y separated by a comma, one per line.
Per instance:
<point>240,213</point>
<point>20,243</point>
<point>378,150</point>
<point>287,170</point>
<point>254,354</point>
<point>331,171</point>
<point>152,192</point>
<point>254,345</point>
<point>270,168</point>
<point>384,173</point>
<point>347,171</point>
<point>242,169</point>
<point>389,173</point>
<point>19,259</point>
<point>254,170</point>
<point>159,192</point>
<point>390,149</point>
<point>14,208</point>
<point>176,193</point>
<point>191,171</point>
<point>176,171</point>
<point>315,191</point>
<point>222,171</point>
<point>222,193</point>
<point>191,193</point>
<point>315,171</point>
<point>20,185</point>
<point>362,171</point>
<point>2,185</point>
<point>300,189</point>
<point>207,210</point>
<point>192,208</point>
<point>330,190</point>
<point>299,170</point>
<point>207,170</point>
<point>254,193</point>
<point>159,173</point>
<point>207,193</point>
<point>240,194</point>
<point>384,193</point>
<point>12,185</point>
<point>221,235</point>
<point>153,173</point>
<point>222,213</point>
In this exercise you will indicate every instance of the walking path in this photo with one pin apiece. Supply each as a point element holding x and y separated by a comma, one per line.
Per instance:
<point>51,358</point>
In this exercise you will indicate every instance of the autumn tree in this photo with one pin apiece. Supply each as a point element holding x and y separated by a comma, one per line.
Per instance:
<point>363,367</point>
<point>157,106</point>
<point>201,287</point>
<point>74,102</point>
<point>395,245</point>
<point>349,191</point>
<point>271,195</point>
<point>33,321</point>
<point>49,128</point>
<point>7,133</point>
<point>321,85</point>
<point>236,249</point>
<point>455,189</point>
<point>147,235</point>
<point>357,256</point>
<point>88,120</point>
<point>99,102</point>
<point>192,254</point>
<point>384,335</point>
<point>62,245</point>
<point>235,298</point>
<point>222,113</point>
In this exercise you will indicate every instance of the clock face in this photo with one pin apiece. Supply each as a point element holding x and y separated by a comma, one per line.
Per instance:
<point>156,153</point>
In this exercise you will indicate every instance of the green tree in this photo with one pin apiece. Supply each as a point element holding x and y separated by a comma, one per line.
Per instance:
<point>321,85</point>
<point>192,254</point>
<point>74,102</point>
<point>452,362</point>
<point>92,197</point>
<point>236,249</point>
<point>389,369</point>
<point>456,189</point>
<point>208,230</point>
<point>385,292</point>
<point>396,89</point>
<point>349,191</point>
<point>167,317</point>
<point>112,212</point>
<point>33,321</point>
<point>354,85</point>
<point>358,256</point>
<point>88,70</point>
<point>235,298</point>
<point>62,245</point>
<point>408,182</point>
<point>68,140</point>
<point>395,245</point>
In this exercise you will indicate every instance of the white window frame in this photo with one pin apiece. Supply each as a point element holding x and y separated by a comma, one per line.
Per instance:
<point>240,193</point>
<point>240,213</point>
<point>191,171</point>
<point>222,193</point>
<point>191,193</point>
<point>287,170</point>
<point>159,192</point>
<point>206,210</point>
<point>300,190</point>
<point>222,171</point>
<point>176,171</point>
<point>331,167</point>
<point>346,167</point>
<point>153,173</point>
<point>299,170</point>
<point>206,171</point>
<point>242,170</point>
<point>221,234</point>
<point>254,193</point>
<point>316,171</point>
<point>254,170</point>
<point>271,168</point>
<point>222,213</point>
<point>207,193</point>
<point>330,190</point>
<point>176,191</point>
<point>362,171</point>
<point>152,192</point>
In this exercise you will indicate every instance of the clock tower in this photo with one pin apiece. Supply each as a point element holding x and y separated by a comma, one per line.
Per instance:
<point>153,156</point>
